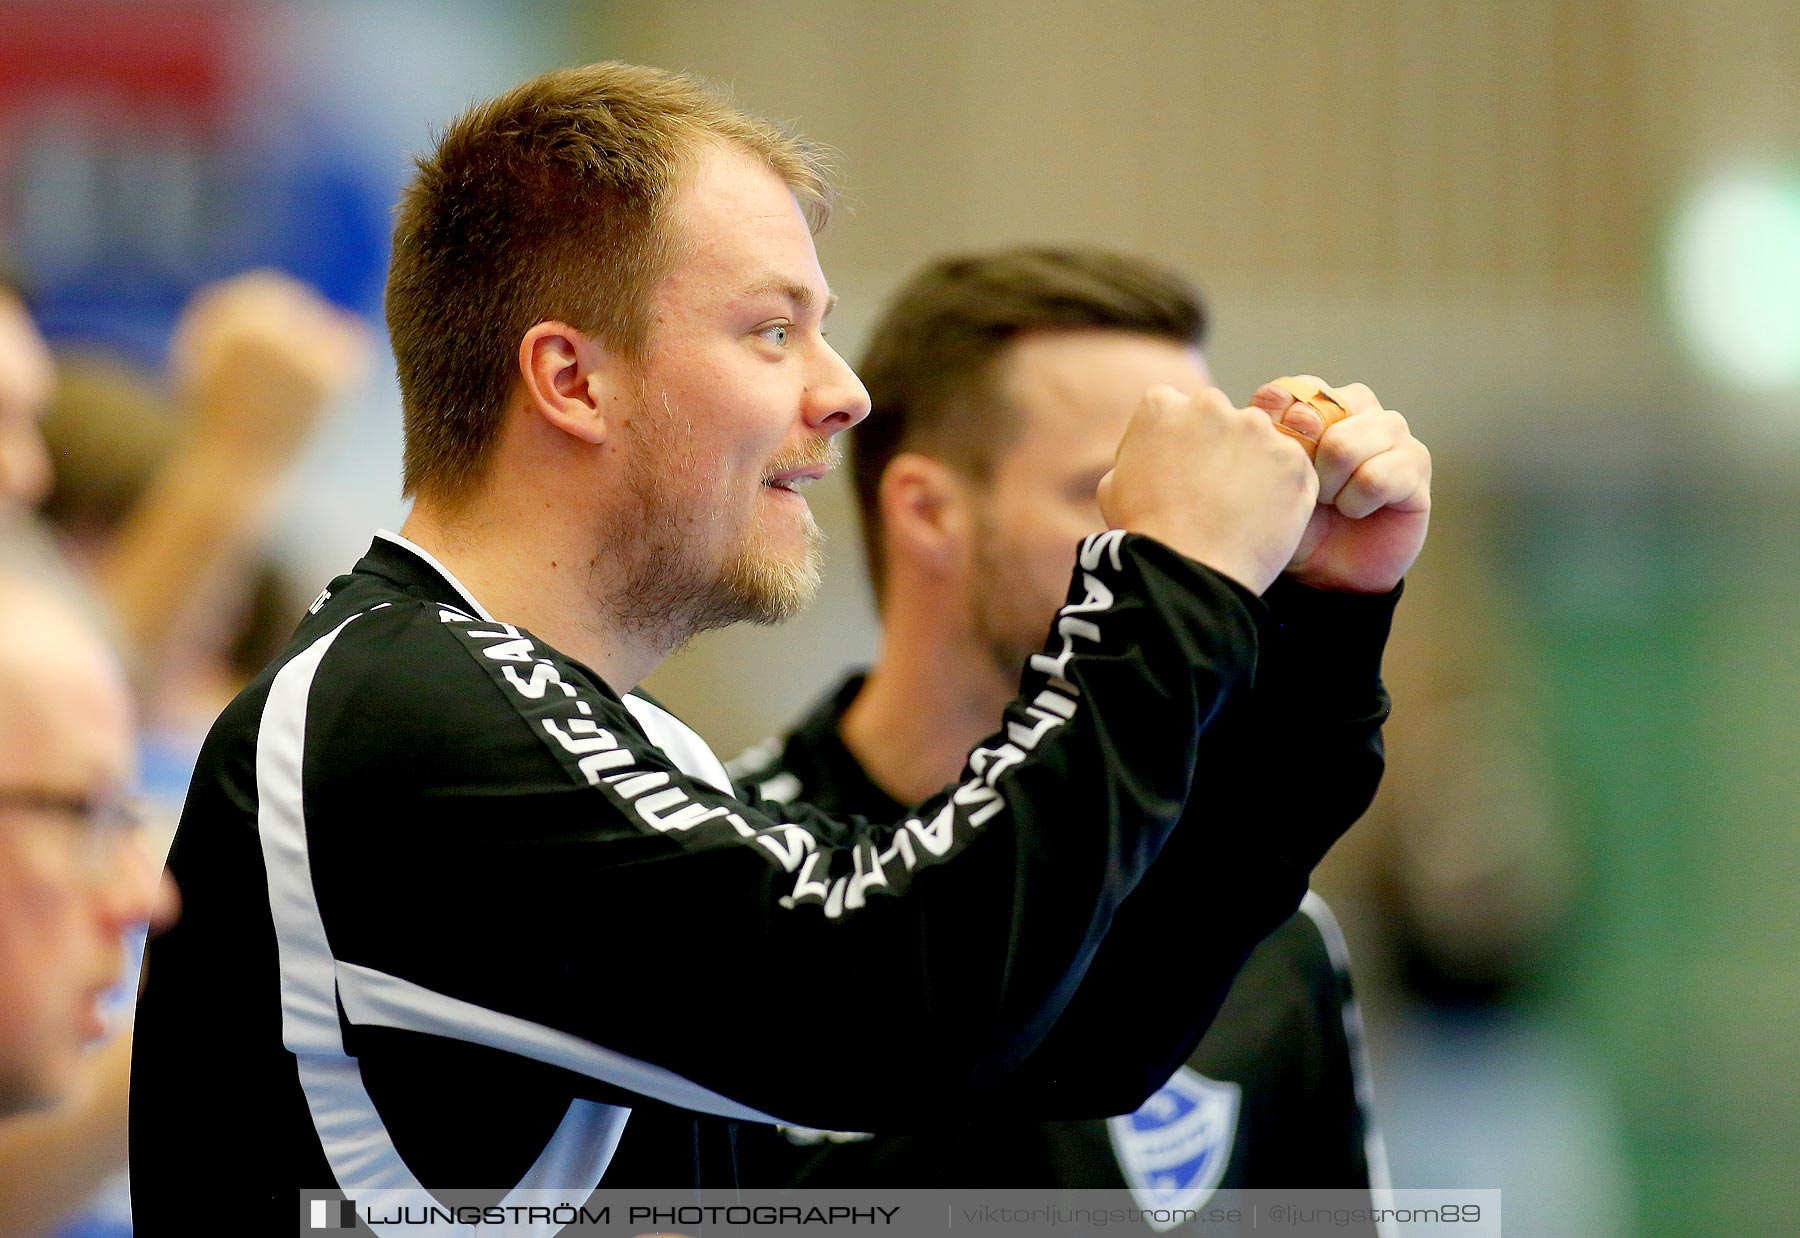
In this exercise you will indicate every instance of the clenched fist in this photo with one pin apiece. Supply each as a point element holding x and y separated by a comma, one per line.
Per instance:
<point>1374,484</point>
<point>257,360</point>
<point>1215,482</point>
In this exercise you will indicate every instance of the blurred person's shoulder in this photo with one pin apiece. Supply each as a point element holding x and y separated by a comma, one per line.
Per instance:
<point>1304,963</point>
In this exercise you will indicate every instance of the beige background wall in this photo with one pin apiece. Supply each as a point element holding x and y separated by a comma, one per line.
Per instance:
<point>1460,203</point>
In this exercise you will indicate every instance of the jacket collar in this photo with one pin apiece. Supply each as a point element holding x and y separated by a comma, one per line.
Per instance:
<point>417,571</point>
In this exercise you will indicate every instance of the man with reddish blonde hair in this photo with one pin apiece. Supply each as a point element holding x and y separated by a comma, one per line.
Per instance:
<point>551,201</point>
<point>457,899</point>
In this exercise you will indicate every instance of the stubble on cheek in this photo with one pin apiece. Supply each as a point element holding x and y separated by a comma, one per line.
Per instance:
<point>1010,611</point>
<point>688,571</point>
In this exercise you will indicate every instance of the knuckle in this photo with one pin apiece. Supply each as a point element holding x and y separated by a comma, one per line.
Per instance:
<point>1368,488</point>
<point>1335,453</point>
<point>1159,405</point>
<point>1370,477</point>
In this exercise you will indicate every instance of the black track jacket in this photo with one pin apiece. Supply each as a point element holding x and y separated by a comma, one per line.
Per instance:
<point>452,905</point>
<point>1276,1093</point>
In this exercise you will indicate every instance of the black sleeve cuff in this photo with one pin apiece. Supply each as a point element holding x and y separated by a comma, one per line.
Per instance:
<point>1331,640</point>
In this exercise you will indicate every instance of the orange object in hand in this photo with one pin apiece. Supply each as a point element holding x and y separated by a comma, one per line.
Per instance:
<point>1320,400</point>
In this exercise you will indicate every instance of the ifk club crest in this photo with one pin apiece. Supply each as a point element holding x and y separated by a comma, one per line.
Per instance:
<point>1174,1149</point>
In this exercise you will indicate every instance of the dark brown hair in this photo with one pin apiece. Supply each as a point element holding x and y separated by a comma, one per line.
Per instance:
<point>932,358</point>
<point>547,203</point>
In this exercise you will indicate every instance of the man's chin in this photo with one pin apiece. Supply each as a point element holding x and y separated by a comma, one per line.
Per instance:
<point>769,590</point>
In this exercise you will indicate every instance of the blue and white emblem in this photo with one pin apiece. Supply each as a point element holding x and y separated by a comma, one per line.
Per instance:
<point>1174,1149</point>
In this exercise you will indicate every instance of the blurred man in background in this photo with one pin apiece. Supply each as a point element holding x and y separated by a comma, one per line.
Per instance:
<point>74,872</point>
<point>257,361</point>
<point>607,314</point>
<point>1002,384</point>
<point>76,877</point>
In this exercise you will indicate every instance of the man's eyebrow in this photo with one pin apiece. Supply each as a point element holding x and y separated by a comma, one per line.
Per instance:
<point>798,293</point>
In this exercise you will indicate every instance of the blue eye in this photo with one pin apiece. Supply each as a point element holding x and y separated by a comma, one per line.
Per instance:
<point>776,333</point>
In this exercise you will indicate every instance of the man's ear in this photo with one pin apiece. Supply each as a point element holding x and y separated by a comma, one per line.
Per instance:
<point>567,376</point>
<point>927,513</point>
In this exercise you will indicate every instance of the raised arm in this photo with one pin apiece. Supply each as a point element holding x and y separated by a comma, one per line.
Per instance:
<point>258,359</point>
<point>628,912</point>
<point>1281,781</point>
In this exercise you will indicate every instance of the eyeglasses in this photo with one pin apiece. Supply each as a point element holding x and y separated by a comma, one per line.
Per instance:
<point>101,822</point>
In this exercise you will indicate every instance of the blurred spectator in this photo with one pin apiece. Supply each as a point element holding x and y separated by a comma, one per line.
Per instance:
<point>163,507</point>
<point>257,361</point>
<point>74,875</point>
<point>26,376</point>
<point>111,430</point>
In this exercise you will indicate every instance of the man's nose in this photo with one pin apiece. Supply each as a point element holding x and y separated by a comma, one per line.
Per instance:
<point>138,890</point>
<point>839,400</point>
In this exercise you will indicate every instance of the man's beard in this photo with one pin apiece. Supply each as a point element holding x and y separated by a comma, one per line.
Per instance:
<point>756,586</point>
<point>673,591</point>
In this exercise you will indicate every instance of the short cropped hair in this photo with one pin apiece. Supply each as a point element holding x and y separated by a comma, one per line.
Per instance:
<point>932,361</point>
<point>548,203</point>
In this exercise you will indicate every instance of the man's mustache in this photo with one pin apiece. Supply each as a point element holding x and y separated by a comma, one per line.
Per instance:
<point>821,451</point>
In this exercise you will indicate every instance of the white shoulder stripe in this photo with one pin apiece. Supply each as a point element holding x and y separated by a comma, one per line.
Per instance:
<point>351,1133</point>
<point>783,788</point>
<point>309,1023</point>
<point>754,760</point>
